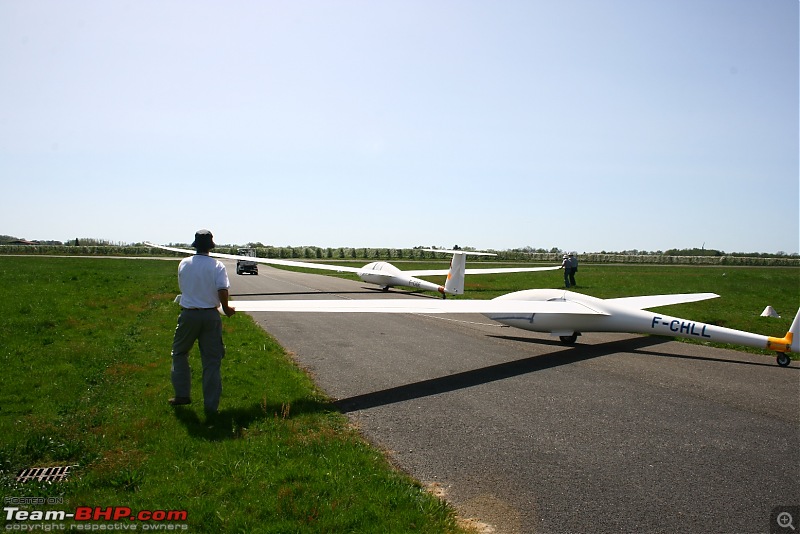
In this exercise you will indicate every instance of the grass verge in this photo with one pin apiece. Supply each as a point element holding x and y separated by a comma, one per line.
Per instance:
<point>85,349</point>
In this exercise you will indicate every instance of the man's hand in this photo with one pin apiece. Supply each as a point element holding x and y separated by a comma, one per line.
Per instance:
<point>223,300</point>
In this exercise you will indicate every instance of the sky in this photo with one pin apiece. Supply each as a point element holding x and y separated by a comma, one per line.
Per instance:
<point>580,125</point>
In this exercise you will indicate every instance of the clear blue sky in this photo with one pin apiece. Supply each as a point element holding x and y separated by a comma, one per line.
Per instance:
<point>578,124</point>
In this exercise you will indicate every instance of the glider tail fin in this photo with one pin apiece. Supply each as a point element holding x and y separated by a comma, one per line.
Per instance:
<point>794,332</point>
<point>455,276</point>
<point>789,343</point>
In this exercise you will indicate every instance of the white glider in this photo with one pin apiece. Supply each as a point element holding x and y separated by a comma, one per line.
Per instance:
<point>386,275</point>
<point>559,312</point>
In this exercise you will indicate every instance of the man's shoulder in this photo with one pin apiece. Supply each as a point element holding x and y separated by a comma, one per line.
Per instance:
<point>201,259</point>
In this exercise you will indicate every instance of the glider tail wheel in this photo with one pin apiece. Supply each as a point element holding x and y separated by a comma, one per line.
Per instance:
<point>783,359</point>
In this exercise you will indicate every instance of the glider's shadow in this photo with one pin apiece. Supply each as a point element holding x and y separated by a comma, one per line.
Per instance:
<point>765,363</point>
<point>418,293</point>
<point>652,353</point>
<point>476,377</point>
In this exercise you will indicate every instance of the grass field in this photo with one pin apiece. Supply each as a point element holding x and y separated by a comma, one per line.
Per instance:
<point>85,348</point>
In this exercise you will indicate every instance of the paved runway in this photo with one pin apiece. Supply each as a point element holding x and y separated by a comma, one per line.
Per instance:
<point>620,433</point>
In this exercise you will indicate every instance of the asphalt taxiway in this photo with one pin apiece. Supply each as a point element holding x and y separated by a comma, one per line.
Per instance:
<point>618,433</point>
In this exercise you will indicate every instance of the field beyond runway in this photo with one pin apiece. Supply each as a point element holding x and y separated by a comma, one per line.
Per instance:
<point>619,433</point>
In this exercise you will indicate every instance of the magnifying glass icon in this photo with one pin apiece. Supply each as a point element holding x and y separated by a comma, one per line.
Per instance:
<point>785,520</point>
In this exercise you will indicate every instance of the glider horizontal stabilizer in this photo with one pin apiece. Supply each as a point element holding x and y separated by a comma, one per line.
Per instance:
<point>468,252</point>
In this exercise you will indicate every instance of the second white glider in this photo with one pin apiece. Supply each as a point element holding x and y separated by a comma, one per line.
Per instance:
<point>386,275</point>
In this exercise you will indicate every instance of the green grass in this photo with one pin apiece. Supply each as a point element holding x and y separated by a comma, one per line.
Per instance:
<point>85,349</point>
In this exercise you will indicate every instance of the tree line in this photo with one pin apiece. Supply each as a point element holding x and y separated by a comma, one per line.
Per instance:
<point>365,254</point>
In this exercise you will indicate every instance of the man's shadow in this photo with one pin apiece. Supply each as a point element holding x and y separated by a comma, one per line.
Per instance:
<point>232,423</point>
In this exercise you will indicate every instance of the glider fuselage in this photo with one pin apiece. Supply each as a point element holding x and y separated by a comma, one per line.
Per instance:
<point>386,275</point>
<point>617,317</point>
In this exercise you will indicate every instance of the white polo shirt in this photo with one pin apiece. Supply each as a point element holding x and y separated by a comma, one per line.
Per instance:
<point>200,277</point>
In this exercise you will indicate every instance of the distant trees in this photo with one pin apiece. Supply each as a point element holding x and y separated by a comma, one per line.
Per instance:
<point>702,255</point>
<point>694,252</point>
<point>93,242</point>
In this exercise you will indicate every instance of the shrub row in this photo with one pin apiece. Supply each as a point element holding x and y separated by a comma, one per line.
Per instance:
<point>372,254</point>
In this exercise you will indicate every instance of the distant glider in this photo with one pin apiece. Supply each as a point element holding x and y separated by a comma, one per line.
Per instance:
<point>386,275</point>
<point>560,313</point>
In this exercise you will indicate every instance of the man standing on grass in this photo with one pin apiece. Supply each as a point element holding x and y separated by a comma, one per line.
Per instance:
<point>573,263</point>
<point>566,264</point>
<point>204,286</point>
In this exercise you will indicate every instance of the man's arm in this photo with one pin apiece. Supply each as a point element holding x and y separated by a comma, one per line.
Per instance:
<point>223,299</point>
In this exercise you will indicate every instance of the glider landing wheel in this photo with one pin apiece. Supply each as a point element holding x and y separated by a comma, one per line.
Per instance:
<point>569,340</point>
<point>783,359</point>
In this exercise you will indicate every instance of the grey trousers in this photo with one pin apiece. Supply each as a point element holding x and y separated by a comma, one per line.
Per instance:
<point>205,326</point>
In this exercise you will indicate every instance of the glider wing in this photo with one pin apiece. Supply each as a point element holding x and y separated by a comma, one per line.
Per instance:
<point>270,261</point>
<point>416,305</point>
<point>652,301</point>
<point>500,270</point>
